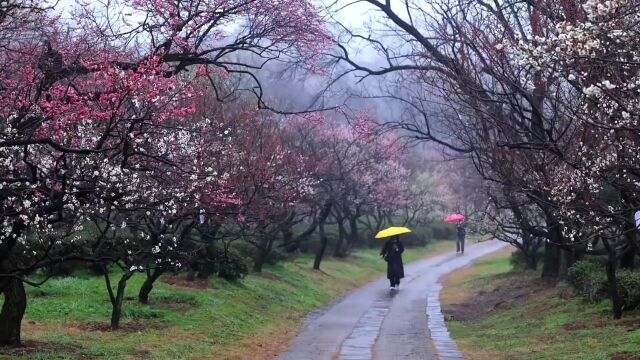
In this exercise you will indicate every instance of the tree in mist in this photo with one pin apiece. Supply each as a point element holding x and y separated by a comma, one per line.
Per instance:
<point>539,95</point>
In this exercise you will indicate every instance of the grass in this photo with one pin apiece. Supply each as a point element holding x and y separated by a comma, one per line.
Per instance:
<point>254,318</point>
<point>461,285</point>
<point>550,323</point>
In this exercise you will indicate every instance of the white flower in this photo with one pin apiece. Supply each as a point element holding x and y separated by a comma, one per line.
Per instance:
<point>608,84</point>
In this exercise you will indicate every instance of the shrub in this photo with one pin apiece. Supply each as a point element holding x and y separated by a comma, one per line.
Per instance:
<point>276,256</point>
<point>63,269</point>
<point>232,266</point>
<point>588,277</point>
<point>420,236</point>
<point>520,262</point>
<point>629,287</point>
<point>443,231</point>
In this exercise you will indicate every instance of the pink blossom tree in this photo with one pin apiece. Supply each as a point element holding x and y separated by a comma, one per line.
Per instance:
<point>92,116</point>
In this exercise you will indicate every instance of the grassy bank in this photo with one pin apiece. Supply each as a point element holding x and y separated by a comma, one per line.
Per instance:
<point>500,314</point>
<point>67,318</point>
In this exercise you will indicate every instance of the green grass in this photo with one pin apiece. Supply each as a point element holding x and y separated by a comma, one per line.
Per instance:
<point>486,269</point>
<point>541,326</point>
<point>222,321</point>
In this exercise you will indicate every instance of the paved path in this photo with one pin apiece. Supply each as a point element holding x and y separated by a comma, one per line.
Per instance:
<point>376,323</point>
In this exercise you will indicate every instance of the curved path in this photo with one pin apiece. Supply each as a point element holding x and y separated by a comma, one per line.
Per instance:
<point>376,323</point>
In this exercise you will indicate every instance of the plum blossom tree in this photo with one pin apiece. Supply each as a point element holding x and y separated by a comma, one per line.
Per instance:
<point>270,178</point>
<point>450,65</point>
<point>90,114</point>
<point>541,95</point>
<point>358,168</point>
<point>594,57</point>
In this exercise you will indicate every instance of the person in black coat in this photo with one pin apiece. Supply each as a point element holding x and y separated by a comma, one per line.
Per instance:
<point>461,235</point>
<point>392,254</point>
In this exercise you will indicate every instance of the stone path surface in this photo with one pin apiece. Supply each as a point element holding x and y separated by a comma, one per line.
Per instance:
<point>374,322</point>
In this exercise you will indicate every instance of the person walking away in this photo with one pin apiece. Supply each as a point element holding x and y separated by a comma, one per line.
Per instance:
<point>392,254</point>
<point>460,242</point>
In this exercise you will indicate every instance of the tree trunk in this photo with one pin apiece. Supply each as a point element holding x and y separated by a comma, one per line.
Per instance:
<point>533,262</point>
<point>567,259</point>
<point>354,235</point>
<point>551,265</point>
<point>263,253</point>
<point>147,286</point>
<point>628,256</point>
<point>533,258</point>
<point>259,261</point>
<point>287,238</point>
<point>191,274</point>
<point>337,252</point>
<point>15,304</point>
<point>321,250</point>
<point>118,298</point>
<point>612,280</point>
<point>529,250</point>
<point>322,218</point>
<point>553,256</point>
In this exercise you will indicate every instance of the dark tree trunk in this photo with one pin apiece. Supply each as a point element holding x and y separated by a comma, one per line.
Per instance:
<point>567,259</point>
<point>337,252</point>
<point>287,238</point>
<point>354,234</point>
<point>258,263</point>
<point>534,246</point>
<point>15,304</point>
<point>191,274</point>
<point>263,253</point>
<point>15,298</point>
<point>322,218</point>
<point>304,236</point>
<point>612,280</point>
<point>628,259</point>
<point>147,286</point>
<point>118,298</point>
<point>533,261</point>
<point>630,249</point>
<point>553,256</point>
<point>529,250</point>
<point>379,222</point>
<point>631,246</point>
<point>321,250</point>
<point>531,256</point>
<point>551,265</point>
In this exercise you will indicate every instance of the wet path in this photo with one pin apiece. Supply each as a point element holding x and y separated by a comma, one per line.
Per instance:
<point>376,323</point>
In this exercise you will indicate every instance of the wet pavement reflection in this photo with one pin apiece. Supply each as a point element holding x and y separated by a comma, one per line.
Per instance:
<point>374,322</point>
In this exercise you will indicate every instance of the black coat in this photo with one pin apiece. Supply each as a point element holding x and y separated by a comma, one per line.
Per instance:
<point>461,233</point>
<point>392,254</point>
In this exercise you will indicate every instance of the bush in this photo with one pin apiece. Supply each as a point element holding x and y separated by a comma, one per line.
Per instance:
<point>63,269</point>
<point>276,256</point>
<point>520,262</point>
<point>420,236</point>
<point>589,278</point>
<point>232,266</point>
<point>629,287</point>
<point>443,231</point>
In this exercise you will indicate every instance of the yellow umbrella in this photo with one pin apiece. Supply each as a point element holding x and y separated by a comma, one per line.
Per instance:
<point>392,231</point>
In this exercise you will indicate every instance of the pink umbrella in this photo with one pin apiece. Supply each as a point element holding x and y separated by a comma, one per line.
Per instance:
<point>454,218</point>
